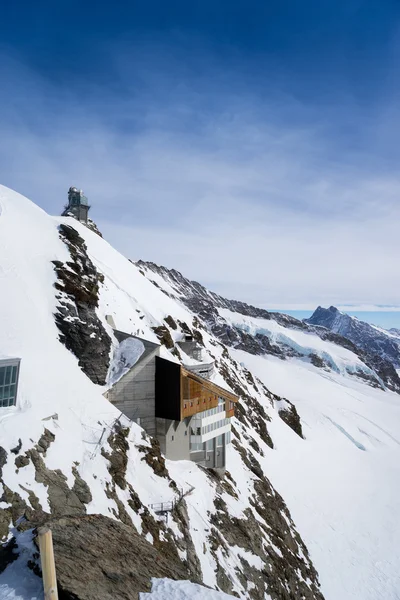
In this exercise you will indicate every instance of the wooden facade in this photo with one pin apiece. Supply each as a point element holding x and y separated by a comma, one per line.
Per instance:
<point>181,393</point>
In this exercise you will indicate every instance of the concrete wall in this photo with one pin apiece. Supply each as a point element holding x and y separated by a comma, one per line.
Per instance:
<point>134,394</point>
<point>174,438</point>
<point>212,456</point>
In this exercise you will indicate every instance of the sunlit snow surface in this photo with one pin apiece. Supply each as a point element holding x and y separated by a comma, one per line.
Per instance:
<point>341,484</point>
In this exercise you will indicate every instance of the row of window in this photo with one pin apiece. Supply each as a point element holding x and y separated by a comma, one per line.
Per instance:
<point>209,445</point>
<point>209,428</point>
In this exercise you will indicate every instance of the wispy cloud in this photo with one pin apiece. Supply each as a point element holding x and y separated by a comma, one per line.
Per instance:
<point>247,192</point>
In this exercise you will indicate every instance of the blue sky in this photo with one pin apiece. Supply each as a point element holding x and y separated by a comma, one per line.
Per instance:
<point>251,145</point>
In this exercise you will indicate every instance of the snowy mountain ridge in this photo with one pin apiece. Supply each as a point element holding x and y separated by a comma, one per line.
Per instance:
<point>309,435</point>
<point>275,333</point>
<point>66,452</point>
<point>369,338</point>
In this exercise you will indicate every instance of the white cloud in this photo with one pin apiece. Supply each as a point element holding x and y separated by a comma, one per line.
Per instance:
<point>269,213</point>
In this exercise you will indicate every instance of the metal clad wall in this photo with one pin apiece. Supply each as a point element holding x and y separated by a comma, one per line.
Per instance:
<point>134,395</point>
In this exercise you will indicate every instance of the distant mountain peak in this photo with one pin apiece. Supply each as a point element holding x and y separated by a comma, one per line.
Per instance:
<point>365,336</point>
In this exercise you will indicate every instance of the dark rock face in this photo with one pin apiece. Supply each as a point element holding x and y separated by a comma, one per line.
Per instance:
<point>163,334</point>
<point>62,500</point>
<point>205,304</point>
<point>118,458</point>
<point>81,330</point>
<point>378,350</point>
<point>363,335</point>
<point>201,300</point>
<point>98,558</point>
<point>8,554</point>
<point>280,576</point>
<point>290,416</point>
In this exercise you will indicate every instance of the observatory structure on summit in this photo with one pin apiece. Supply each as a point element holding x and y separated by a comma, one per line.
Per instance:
<point>78,205</point>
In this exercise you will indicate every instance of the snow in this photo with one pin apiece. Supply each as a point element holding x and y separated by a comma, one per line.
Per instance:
<point>341,484</point>
<point>18,582</point>
<point>167,589</point>
<point>126,355</point>
<point>338,358</point>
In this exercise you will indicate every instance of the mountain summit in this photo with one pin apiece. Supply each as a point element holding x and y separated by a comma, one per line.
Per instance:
<point>369,338</point>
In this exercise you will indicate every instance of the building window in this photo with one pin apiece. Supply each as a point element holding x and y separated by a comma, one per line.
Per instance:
<point>172,438</point>
<point>8,382</point>
<point>185,431</point>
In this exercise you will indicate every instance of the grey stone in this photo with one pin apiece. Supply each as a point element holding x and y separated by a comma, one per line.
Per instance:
<point>98,558</point>
<point>21,461</point>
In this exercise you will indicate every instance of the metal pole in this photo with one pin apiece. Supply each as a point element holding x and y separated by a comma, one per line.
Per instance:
<point>48,565</point>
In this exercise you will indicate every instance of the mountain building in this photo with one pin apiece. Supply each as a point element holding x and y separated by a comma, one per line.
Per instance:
<point>188,414</point>
<point>78,205</point>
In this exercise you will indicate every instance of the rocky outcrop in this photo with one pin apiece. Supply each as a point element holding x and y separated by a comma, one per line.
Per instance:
<point>368,338</point>
<point>205,305</point>
<point>289,415</point>
<point>98,558</point>
<point>164,335</point>
<point>265,531</point>
<point>81,330</point>
<point>379,350</point>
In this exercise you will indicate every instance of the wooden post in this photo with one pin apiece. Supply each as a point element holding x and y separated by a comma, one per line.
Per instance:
<point>48,565</point>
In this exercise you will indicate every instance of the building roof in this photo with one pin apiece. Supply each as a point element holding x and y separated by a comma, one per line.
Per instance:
<point>148,346</point>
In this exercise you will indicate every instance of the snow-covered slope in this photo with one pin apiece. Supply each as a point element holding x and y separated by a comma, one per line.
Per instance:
<point>368,337</point>
<point>65,451</point>
<point>342,482</point>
